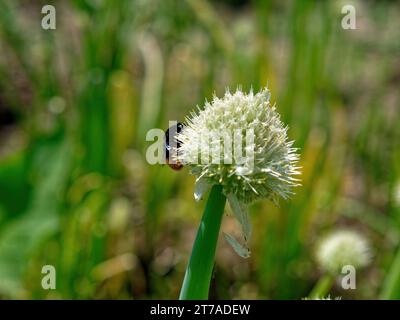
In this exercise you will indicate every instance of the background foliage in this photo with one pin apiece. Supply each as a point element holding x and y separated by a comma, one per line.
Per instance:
<point>76,191</point>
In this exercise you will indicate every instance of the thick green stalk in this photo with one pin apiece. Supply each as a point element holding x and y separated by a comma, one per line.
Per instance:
<point>322,287</point>
<point>198,272</point>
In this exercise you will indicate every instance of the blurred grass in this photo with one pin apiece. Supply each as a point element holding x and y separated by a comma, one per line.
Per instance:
<point>76,104</point>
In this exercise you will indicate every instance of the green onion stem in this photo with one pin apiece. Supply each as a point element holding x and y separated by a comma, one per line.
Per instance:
<point>322,287</point>
<point>391,286</point>
<point>197,279</point>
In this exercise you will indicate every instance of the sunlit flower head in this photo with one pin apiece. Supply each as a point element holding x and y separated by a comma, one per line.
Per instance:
<point>239,142</point>
<point>343,247</point>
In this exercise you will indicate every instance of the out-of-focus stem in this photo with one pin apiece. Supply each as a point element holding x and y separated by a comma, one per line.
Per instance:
<point>391,287</point>
<point>322,287</point>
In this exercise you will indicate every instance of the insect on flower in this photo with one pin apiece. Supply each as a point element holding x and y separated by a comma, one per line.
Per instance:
<point>171,145</point>
<point>268,168</point>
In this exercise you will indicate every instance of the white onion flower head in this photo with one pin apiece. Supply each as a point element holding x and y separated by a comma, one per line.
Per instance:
<point>343,247</point>
<point>267,164</point>
<point>239,142</point>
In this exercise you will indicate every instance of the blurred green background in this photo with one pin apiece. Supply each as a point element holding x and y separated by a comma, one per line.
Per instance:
<point>76,103</point>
